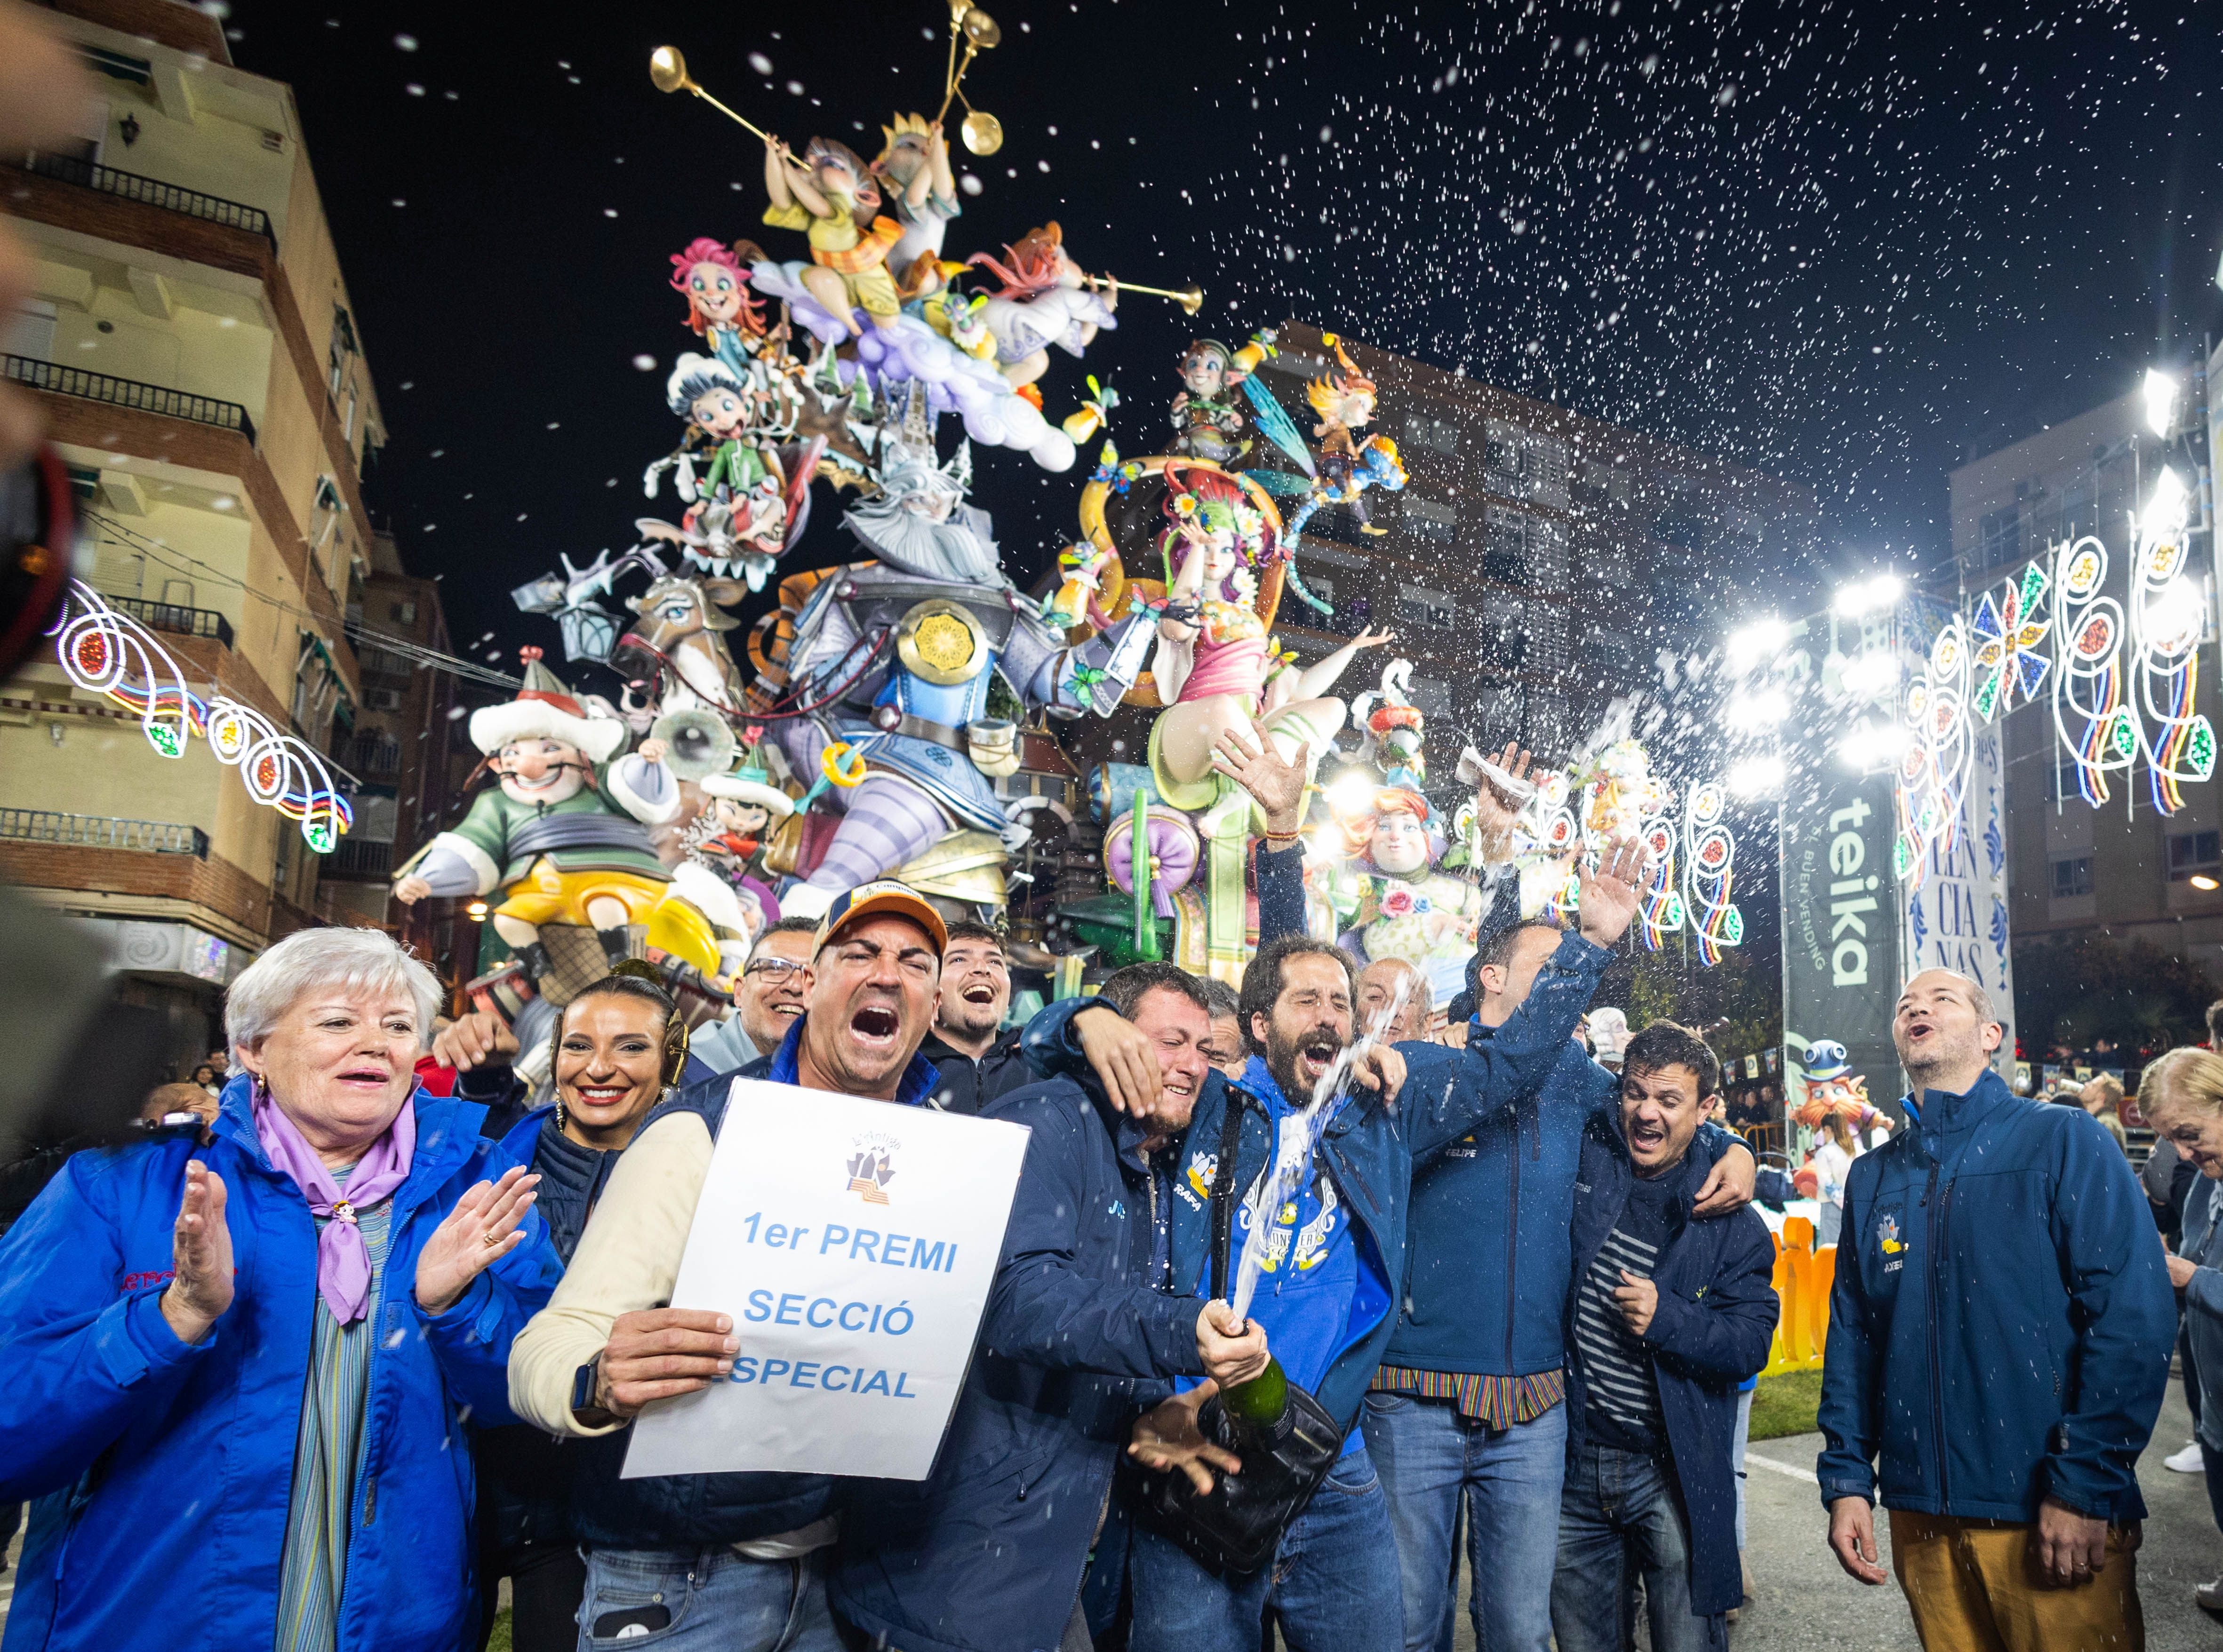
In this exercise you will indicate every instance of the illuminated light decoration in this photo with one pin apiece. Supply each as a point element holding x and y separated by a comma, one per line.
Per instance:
<point>108,653</point>
<point>2090,720</point>
<point>2008,636</point>
<point>1661,913</point>
<point>2167,616</point>
<point>1709,861</point>
<point>1933,768</point>
<point>104,652</point>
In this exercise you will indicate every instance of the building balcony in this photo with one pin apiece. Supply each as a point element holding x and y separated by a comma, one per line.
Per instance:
<point>101,832</point>
<point>358,862</point>
<point>152,192</point>
<point>128,392</point>
<point>176,620</point>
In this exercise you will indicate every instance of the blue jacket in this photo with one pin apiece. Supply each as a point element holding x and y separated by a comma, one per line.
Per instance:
<point>701,1510</point>
<point>987,1555</point>
<point>180,1457</point>
<point>1716,1311</point>
<point>1369,1150</point>
<point>2002,1322</point>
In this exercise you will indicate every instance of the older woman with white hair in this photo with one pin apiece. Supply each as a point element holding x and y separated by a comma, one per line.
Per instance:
<point>239,1359</point>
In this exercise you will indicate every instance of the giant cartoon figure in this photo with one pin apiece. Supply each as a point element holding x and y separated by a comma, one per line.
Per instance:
<point>897,655</point>
<point>563,844</point>
<point>1390,900</point>
<point>833,197</point>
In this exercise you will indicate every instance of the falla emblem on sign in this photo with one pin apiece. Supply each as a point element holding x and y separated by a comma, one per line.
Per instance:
<point>872,1167</point>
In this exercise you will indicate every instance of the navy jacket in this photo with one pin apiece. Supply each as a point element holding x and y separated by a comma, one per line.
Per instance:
<point>1369,1150</point>
<point>172,1462</point>
<point>702,1510</point>
<point>1716,1312</point>
<point>987,1555</point>
<point>969,1086</point>
<point>2002,1322</point>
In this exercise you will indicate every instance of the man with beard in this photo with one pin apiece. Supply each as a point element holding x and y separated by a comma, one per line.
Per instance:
<point>915,711</point>
<point>742,1551</point>
<point>2000,1336</point>
<point>1083,1326</point>
<point>978,1062</point>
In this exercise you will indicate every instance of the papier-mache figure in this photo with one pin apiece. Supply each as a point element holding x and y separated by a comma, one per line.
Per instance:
<point>1831,1086</point>
<point>908,739</point>
<point>562,837</point>
<point>921,193</point>
<point>831,196</point>
<point>728,837</point>
<point>1390,900</point>
<point>1215,667</point>
<point>1209,421</point>
<point>1045,300</point>
<point>728,317</point>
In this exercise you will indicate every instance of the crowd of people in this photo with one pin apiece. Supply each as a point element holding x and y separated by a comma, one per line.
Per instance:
<point>322,1361</point>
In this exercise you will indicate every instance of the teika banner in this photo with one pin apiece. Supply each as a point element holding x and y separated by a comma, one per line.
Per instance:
<point>853,1243</point>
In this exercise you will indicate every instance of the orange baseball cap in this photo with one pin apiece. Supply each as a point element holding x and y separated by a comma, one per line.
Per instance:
<point>883,896</point>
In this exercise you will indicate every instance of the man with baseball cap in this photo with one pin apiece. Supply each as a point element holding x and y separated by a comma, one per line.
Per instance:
<point>740,1550</point>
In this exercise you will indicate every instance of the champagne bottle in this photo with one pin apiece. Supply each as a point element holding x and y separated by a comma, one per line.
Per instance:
<point>1260,1406</point>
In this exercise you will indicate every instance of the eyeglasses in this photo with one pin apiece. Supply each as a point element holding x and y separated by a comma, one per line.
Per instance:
<point>775,969</point>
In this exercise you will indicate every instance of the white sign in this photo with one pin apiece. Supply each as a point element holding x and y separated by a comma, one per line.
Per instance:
<point>853,1243</point>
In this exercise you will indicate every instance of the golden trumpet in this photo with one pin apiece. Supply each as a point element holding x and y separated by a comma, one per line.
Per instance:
<point>667,69</point>
<point>982,132</point>
<point>1190,298</point>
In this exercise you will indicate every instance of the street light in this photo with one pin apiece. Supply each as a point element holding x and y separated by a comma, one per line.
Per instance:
<point>1869,746</point>
<point>1866,596</point>
<point>1756,713</point>
<point>2160,392</point>
<point>2166,506</point>
<point>1757,777</point>
<point>1758,642</point>
<point>1871,675</point>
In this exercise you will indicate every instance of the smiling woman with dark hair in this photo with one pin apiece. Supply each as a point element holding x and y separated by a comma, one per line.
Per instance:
<point>247,1362</point>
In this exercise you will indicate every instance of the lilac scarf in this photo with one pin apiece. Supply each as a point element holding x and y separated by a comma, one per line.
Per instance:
<point>343,1264</point>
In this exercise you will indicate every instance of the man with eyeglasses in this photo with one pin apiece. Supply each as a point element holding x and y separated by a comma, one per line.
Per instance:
<point>768,999</point>
<point>978,1060</point>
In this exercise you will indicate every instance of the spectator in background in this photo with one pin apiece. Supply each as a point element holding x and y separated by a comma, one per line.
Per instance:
<point>1390,983</point>
<point>204,1076</point>
<point>214,1426</point>
<point>1231,1052</point>
<point>768,999</point>
<point>2103,1099</point>
<point>978,1062</point>
<point>2182,1097</point>
<point>1993,1245</point>
<point>618,1051</point>
<point>1836,1147</point>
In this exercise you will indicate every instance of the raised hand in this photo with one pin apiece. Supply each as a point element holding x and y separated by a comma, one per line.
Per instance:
<point>1496,808</point>
<point>1608,894</point>
<point>481,1039</point>
<point>200,1253</point>
<point>1248,757</point>
<point>482,1228</point>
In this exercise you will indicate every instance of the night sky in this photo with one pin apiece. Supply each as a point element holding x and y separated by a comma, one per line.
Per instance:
<point>1848,245</point>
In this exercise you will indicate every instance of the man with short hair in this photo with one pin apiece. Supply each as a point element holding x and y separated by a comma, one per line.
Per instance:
<point>2102,1098</point>
<point>977,1062</point>
<point>2000,1336</point>
<point>1231,1050</point>
<point>768,998</point>
<point>1671,1311</point>
<point>1394,1000</point>
<point>742,1551</point>
<point>1083,1325</point>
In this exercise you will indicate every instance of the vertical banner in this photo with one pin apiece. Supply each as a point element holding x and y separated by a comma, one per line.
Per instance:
<point>1957,919</point>
<point>1839,922</point>
<point>853,1243</point>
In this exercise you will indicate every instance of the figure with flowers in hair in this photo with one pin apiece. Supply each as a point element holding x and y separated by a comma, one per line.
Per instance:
<point>1045,299</point>
<point>1215,667</point>
<point>1390,897</point>
<point>723,312</point>
<point>833,197</point>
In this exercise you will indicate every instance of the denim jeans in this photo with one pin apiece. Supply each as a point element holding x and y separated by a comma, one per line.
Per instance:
<point>1620,1510</point>
<point>1737,1443</point>
<point>1332,1584</point>
<point>1427,1455</point>
<point>717,1601</point>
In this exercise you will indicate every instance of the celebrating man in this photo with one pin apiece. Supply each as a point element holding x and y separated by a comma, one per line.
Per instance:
<point>977,1063</point>
<point>1999,1337</point>
<point>768,998</point>
<point>742,1551</point>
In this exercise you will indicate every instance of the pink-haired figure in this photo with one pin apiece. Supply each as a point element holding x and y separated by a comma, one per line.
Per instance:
<point>721,310</point>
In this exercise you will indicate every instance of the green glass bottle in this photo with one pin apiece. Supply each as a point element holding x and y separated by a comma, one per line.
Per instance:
<point>1260,1405</point>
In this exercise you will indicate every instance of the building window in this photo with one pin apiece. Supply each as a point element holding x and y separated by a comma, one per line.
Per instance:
<point>403,613</point>
<point>1437,434</point>
<point>2002,536</point>
<point>1418,605</point>
<point>2194,851</point>
<point>32,333</point>
<point>2072,877</point>
<point>1429,520</point>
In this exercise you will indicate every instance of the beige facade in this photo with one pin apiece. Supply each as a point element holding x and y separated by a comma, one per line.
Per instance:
<point>193,347</point>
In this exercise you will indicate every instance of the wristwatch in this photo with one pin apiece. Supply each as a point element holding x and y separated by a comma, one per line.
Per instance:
<point>584,1382</point>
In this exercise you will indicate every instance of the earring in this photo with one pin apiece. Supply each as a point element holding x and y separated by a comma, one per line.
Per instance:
<point>559,1113</point>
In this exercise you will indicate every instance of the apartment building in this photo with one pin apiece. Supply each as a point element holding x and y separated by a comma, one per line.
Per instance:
<point>192,346</point>
<point>2125,868</point>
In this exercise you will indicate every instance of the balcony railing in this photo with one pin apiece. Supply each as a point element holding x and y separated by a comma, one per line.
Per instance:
<point>128,393</point>
<point>359,860</point>
<point>101,832</point>
<point>170,617</point>
<point>375,753</point>
<point>131,187</point>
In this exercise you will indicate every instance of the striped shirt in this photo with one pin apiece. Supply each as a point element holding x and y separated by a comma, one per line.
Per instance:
<point>327,1449</point>
<point>1621,1393</point>
<point>1494,1401</point>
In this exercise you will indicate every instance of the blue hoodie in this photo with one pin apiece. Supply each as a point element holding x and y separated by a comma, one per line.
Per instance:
<point>175,1459</point>
<point>2002,1321</point>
